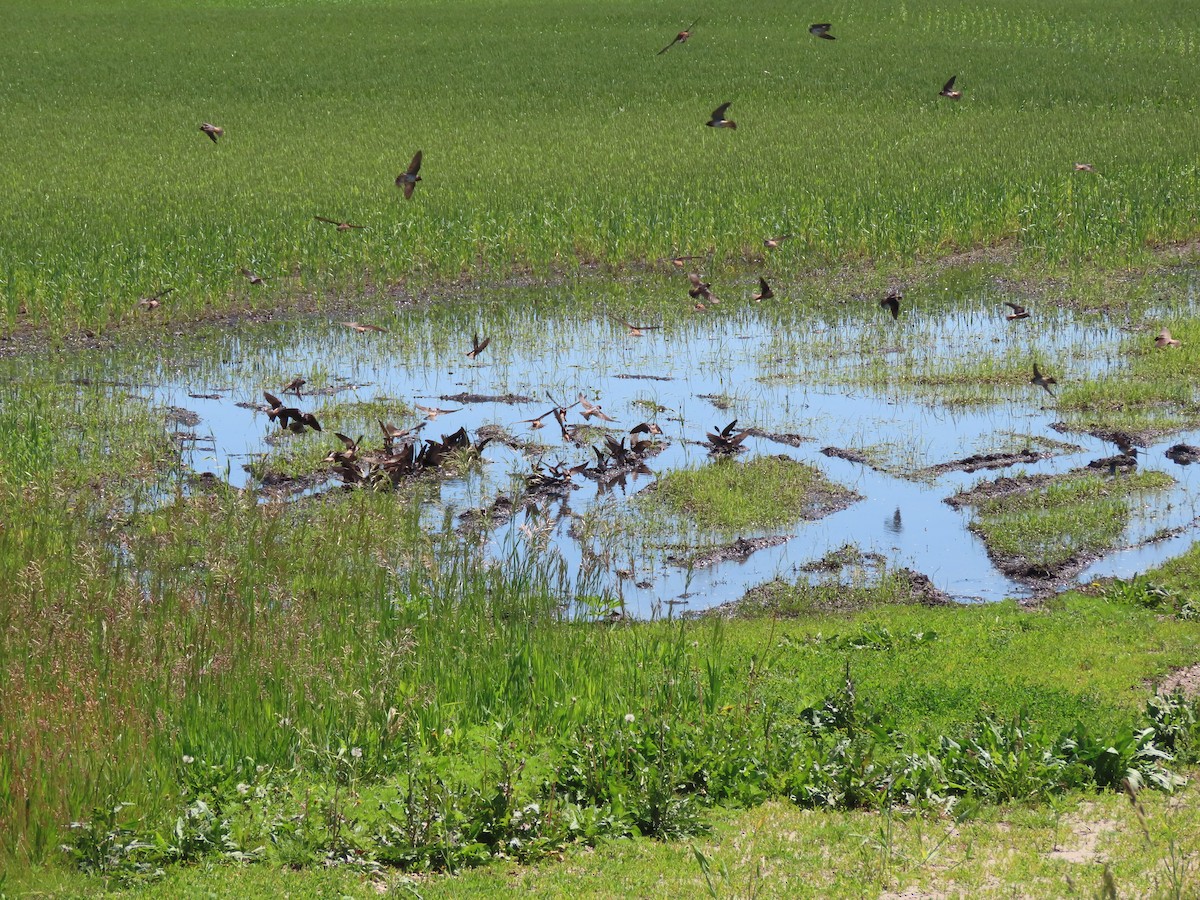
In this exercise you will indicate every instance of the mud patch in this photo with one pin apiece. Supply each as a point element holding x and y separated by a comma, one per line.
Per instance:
<point>790,440</point>
<point>181,417</point>
<point>738,551</point>
<point>1085,838</point>
<point>1183,454</point>
<point>849,455</point>
<point>465,397</point>
<point>1186,680</point>
<point>1001,487</point>
<point>630,377</point>
<point>981,461</point>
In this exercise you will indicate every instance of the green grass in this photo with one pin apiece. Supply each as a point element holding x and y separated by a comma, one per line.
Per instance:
<point>553,133</point>
<point>1044,528</point>
<point>764,492</point>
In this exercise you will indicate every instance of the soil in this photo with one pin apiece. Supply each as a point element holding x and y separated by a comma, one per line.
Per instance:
<point>464,397</point>
<point>739,550</point>
<point>981,461</point>
<point>849,455</point>
<point>791,440</point>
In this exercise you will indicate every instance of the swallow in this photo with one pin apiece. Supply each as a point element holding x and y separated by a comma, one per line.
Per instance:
<point>341,226</point>
<point>678,261</point>
<point>724,440</point>
<point>590,410</point>
<point>949,91</point>
<point>1042,381</point>
<point>646,428</point>
<point>477,346</point>
<point>297,425</point>
<point>1018,311</point>
<point>251,277</point>
<point>680,38</point>
<point>154,300</point>
<point>213,131</point>
<point>772,242</point>
<point>274,405</point>
<point>1125,444</point>
<point>407,180</point>
<point>718,120</point>
<point>294,385</point>
<point>348,455</point>
<point>1165,340</point>
<point>392,433</point>
<point>1084,167</point>
<point>701,290</point>
<point>432,412</point>
<point>821,30</point>
<point>360,327</point>
<point>764,290</point>
<point>892,303</point>
<point>638,330</point>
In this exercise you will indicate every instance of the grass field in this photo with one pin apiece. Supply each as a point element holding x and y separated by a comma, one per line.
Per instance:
<point>553,133</point>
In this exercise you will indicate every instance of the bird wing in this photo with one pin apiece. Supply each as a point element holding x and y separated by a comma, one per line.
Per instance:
<point>668,47</point>
<point>415,166</point>
<point>330,221</point>
<point>949,84</point>
<point>719,113</point>
<point>350,445</point>
<point>1015,307</point>
<point>763,287</point>
<point>272,399</point>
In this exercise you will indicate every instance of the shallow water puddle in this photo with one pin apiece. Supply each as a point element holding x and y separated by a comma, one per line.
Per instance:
<point>776,372</point>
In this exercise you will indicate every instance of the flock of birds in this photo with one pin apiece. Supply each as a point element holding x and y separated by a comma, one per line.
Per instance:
<point>402,453</point>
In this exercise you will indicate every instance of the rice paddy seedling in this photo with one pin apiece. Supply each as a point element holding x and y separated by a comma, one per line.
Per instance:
<point>523,169</point>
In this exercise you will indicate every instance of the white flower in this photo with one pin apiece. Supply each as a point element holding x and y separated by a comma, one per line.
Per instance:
<point>629,717</point>
<point>356,752</point>
<point>243,788</point>
<point>188,760</point>
<point>448,732</point>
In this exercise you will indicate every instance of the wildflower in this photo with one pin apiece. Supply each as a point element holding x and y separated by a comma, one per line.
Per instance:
<point>243,788</point>
<point>188,760</point>
<point>629,717</point>
<point>356,752</point>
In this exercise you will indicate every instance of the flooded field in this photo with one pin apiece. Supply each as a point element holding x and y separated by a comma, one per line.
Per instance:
<point>902,414</point>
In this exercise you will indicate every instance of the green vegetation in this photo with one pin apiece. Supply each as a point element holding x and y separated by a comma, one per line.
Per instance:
<point>1039,530</point>
<point>553,133</point>
<point>763,492</point>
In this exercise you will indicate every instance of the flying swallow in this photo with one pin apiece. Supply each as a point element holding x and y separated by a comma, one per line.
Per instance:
<point>1018,311</point>
<point>772,242</point>
<point>718,120</point>
<point>638,330</point>
<point>432,412</point>
<point>407,180</point>
<point>294,385</point>
<point>764,290</point>
<point>892,303</point>
<point>1042,381</point>
<point>213,131</point>
<point>360,327</point>
<point>590,410</point>
<point>341,226</point>
<point>251,277</point>
<point>701,290</point>
<point>680,38</point>
<point>1165,340</point>
<point>154,300</point>
<point>477,346</point>
<point>821,30</point>
<point>949,91</point>
<point>1084,167</point>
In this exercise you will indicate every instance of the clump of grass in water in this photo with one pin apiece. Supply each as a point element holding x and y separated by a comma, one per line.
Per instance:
<point>1040,530</point>
<point>765,492</point>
